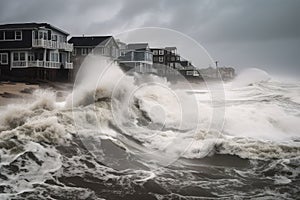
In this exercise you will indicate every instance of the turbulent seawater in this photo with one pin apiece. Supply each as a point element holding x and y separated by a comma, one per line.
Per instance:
<point>102,143</point>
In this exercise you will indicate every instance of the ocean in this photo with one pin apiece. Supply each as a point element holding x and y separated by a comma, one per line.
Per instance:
<point>141,137</point>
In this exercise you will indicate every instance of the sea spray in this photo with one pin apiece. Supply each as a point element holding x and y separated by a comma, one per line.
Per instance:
<point>71,151</point>
<point>250,76</point>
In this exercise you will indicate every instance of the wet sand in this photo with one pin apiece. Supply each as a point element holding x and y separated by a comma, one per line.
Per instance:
<point>17,92</point>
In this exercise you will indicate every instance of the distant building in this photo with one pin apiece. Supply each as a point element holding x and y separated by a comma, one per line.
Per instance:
<point>170,64</point>
<point>225,73</point>
<point>137,57</point>
<point>34,51</point>
<point>190,71</point>
<point>167,56</point>
<point>122,47</point>
<point>96,45</point>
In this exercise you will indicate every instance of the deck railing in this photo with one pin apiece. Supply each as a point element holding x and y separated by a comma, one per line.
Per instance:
<point>19,64</point>
<point>68,65</point>
<point>42,64</point>
<point>36,63</point>
<point>49,44</point>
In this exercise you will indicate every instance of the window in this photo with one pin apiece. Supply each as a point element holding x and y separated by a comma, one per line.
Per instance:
<point>54,37</point>
<point>155,59</point>
<point>9,35</point>
<point>1,35</point>
<point>149,56</point>
<point>190,73</point>
<point>19,56</point>
<point>30,56</point>
<point>172,58</point>
<point>161,52</point>
<point>22,56</point>
<point>3,58</point>
<point>89,50</point>
<point>62,38</point>
<point>18,35</point>
<point>155,52</point>
<point>83,51</point>
<point>54,57</point>
<point>45,36</point>
<point>16,56</point>
<point>34,34</point>
<point>40,35</point>
<point>161,59</point>
<point>122,53</point>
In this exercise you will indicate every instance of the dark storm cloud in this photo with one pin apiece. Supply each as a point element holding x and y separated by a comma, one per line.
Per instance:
<point>237,32</point>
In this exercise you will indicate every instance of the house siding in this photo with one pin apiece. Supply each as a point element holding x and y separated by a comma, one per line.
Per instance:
<point>46,60</point>
<point>26,41</point>
<point>5,68</point>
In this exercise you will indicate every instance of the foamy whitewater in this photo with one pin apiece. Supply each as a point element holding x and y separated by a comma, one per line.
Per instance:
<point>138,137</point>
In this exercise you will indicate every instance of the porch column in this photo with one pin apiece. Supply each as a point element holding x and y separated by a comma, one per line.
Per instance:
<point>44,63</point>
<point>26,58</point>
<point>11,60</point>
<point>45,54</point>
<point>69,57</point>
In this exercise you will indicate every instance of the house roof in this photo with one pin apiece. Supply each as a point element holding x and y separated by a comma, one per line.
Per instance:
<point>170,48</point>
<point>31,26</point>
<point>90,41</point>
<point>157,48</point>
<point>137,46</point>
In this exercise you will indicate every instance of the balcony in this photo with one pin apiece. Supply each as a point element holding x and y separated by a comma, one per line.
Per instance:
<point>136,57</point>
<point>69,65</point>
<point>41,64</point>
<point>49,44</point>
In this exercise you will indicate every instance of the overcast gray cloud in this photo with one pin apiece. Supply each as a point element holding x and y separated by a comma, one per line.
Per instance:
<point>241,33</point>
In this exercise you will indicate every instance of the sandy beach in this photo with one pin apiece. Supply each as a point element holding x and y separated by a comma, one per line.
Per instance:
<point>17,92</point>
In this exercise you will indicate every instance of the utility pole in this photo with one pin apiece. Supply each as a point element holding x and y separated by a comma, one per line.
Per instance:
<point>217,73</point>
<point>216,63</point>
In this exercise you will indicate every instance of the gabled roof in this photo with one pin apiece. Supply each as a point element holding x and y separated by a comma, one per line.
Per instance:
<point>31,26</point>
<point>89,41</point>
<point>137,46</point>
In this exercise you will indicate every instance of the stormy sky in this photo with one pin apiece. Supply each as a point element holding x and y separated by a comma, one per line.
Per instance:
<point>239,33</point>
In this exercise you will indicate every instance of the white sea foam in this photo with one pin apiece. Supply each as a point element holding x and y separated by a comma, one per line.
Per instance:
<point>249,115</point>
<point>148,118</point>
<point>250,76</point>
<point>161,118</point>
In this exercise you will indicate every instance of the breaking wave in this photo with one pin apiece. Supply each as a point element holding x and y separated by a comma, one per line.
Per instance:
<point>251,76</point>
<point>137,136</point>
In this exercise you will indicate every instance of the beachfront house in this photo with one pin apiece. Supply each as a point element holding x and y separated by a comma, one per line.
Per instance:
<point>170,64</point>
<point>34,51</point>
<point>105,46</point>
<point>96,45</point>
<point>137,57</point>
<point>166,61</point>
<point>167,56</point>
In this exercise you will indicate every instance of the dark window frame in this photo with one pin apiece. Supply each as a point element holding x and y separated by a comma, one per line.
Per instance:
<point>9,33</point>
<point>3,35</point>
<point>18,56</point>
<point>1,58</point>
<point>20,35</point>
